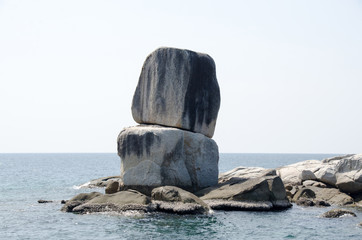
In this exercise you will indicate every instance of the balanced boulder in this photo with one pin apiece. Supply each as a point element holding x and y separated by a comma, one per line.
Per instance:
<point>178,88</point>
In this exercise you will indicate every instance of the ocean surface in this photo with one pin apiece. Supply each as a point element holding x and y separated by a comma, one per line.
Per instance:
<point>26,178</point>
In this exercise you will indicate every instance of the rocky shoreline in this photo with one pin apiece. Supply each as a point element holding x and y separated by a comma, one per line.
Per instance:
<point>307,183</point>
<point>169,162</point>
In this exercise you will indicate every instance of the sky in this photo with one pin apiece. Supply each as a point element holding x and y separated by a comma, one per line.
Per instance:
<point>290,72</point>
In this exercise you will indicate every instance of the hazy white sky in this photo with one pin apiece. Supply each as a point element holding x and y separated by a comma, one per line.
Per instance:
<point>290,72</point>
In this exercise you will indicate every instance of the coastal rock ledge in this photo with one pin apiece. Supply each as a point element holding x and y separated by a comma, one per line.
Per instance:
<point>261,193</point>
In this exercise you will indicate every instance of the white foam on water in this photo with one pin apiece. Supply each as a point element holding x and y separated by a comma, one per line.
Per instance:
<point>85,185</point>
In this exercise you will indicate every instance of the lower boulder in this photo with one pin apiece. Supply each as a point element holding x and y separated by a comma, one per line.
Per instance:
<point>153,156</point>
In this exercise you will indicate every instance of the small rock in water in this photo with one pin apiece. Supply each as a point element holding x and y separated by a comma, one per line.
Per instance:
<point>336,213</point>
<point>44,201</point>
<point>63,202</point>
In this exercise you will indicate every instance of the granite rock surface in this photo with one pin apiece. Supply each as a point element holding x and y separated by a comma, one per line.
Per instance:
<point>154,156</point>
<point>178,88</point>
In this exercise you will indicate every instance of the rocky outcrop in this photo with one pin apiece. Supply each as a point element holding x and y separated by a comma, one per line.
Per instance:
<point>154,156</point>
<point>258,193</point>
<point>178,88</point>
<point>336,213</point>
<point>167,199</point>
<point>343,172</point>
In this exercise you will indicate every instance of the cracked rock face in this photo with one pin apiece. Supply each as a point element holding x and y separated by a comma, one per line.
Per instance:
<point>155,156</point>
<point>178,88</point>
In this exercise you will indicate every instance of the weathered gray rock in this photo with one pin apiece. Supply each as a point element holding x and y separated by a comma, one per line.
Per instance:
<point>154,156</point>
<point>295,173</point>
<point>245,173</point>
<point>336,213</point>
<point>260,193</point>
<point>304,193</point>
<point>330,195</point>
<point>349,174</point>
<point>116,202</point>
<point>313,183</point>
<point>343,172</point>
<point>178,88</point>
<point>78,200</point>
<point>176,200</point>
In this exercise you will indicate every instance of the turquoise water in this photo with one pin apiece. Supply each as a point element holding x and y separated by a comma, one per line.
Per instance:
<point>26,178</point>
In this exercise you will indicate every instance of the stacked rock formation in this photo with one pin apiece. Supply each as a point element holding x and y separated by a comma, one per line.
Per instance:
<point>176,101</point>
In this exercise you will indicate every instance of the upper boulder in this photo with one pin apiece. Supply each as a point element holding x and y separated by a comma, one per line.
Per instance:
<point>178,88</point>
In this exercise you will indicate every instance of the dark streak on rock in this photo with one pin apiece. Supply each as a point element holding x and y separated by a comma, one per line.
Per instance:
<point>201,104</point>
<point>135,144</point>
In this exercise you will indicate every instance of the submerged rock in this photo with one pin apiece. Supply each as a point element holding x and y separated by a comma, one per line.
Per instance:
<point>44,201</point>
<point>154,156</point>
<point>178,88</point>
<point>336,213</point>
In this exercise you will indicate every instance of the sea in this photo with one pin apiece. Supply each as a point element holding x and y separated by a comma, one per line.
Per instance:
<point>26,178</point>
